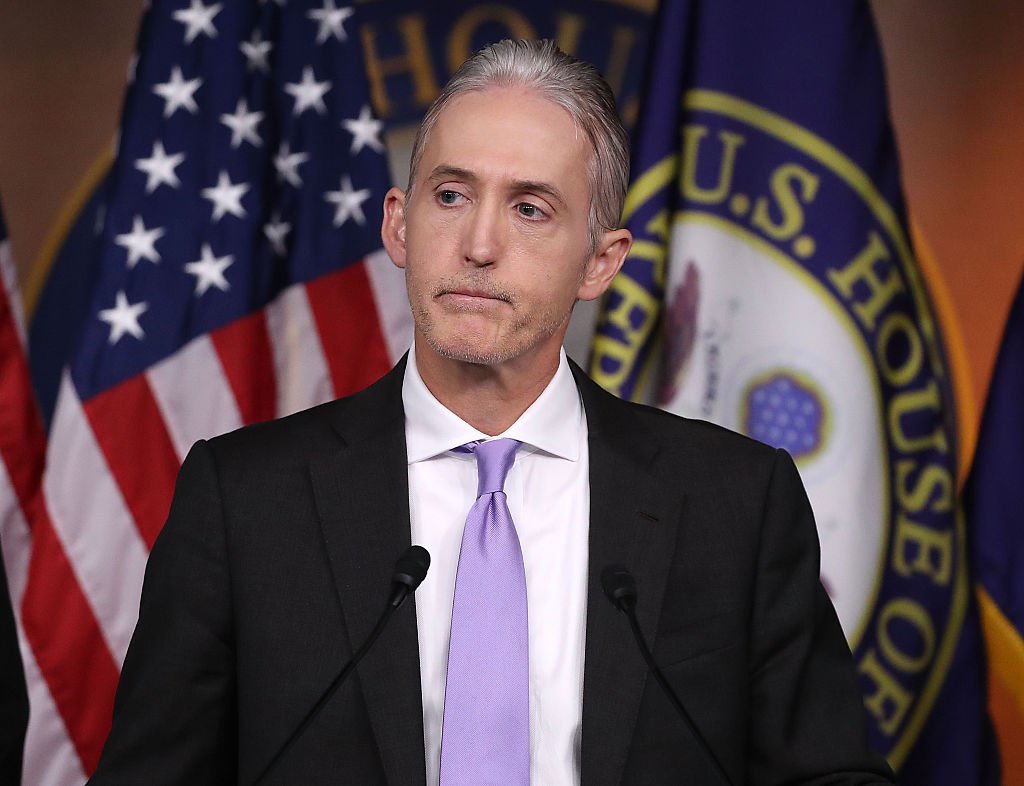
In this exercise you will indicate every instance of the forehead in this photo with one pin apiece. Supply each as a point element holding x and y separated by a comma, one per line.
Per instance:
<point>510,132</point>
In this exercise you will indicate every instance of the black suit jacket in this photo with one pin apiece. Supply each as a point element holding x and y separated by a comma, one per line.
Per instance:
<point>277,555</point>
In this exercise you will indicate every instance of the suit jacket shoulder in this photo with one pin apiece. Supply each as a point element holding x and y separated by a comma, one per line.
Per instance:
<point>272,566</point>
<point>718,532</point>
<point>364,415</point>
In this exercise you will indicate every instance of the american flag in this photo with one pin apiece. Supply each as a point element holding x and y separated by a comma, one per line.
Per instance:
<point>22,444</point>
<point>240,279</point>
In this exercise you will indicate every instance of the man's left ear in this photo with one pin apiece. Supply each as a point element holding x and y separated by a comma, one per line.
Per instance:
<point>605,263</point>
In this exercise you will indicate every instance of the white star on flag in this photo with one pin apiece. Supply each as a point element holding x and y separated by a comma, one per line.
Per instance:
<point>308,94</point>
<point>276,231</point>
<point>365,131</point>
<point>159,168</point>
<point>177,92</point>
<point>287,164</point>
<point>209,270</point>
<point>140,242</point>
<point>198,18</point>
<point>349,203</point>
<point>243,124</point>
<point>124,318</point>
<point>331,21</point>
<point>226,197</point>
<point>256,51</point>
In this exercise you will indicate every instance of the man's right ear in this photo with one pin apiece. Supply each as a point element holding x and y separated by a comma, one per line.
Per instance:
<point>392,229</point>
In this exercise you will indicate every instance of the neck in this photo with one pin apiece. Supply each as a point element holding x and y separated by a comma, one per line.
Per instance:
<point>488,397</point>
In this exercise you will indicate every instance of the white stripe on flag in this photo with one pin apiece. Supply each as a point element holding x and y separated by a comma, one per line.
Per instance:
<point>303,379</point>
<point>50,758</point>
<point>9,274</point>
<point>188,415</point>
<point>388,285</point>
<point>15,537</point>
<point>91,519</point>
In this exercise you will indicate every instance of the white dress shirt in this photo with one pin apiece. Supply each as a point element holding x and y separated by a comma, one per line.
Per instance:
<point>548,490</point>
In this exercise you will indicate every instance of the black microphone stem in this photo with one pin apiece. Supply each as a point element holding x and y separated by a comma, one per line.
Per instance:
<point>382,622</point>
<point>410,569</point>
<point>649,658</point>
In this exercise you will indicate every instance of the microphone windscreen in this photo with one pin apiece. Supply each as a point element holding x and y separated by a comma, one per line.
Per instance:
<point>411,567</point>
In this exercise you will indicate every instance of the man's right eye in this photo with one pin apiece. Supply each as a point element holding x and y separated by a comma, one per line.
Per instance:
<point>448,197</point>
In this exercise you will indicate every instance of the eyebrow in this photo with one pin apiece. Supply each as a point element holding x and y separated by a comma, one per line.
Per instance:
<point>446,172</point>
<point>538,187</point>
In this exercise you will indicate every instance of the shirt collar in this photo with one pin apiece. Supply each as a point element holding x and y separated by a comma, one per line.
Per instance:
<point>552,423</point>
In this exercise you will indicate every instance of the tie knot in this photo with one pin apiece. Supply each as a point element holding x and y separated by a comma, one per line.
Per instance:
<point>493,461</point>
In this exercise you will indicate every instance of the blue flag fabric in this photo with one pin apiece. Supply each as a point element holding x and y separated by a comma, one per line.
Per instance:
<point>996,487</point>
<point>772,288</point>
<point>994,499</point>
<point>64,302</point>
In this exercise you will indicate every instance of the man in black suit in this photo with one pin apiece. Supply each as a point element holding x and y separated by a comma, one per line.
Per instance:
<point>273,565</point>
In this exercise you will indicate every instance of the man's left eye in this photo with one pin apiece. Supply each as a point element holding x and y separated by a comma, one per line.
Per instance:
<point>528,210</point>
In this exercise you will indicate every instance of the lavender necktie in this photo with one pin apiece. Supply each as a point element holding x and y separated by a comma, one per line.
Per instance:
<point>486,734</point>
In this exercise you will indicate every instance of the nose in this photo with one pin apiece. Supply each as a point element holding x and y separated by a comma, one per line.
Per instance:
<point>484,234</point>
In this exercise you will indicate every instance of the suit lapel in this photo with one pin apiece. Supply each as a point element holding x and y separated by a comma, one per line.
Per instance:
<point>362,497</point>
<point>633,522</point>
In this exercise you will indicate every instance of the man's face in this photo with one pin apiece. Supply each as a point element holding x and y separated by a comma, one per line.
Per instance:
<point>494,235</point>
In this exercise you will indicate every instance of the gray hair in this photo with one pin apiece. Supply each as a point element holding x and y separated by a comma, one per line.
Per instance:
<point>572,84</point>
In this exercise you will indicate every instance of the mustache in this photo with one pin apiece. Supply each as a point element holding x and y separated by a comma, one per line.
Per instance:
<point>473,285</point>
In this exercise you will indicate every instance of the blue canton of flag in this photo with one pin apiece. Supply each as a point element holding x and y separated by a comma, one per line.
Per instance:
<point>249,160</point>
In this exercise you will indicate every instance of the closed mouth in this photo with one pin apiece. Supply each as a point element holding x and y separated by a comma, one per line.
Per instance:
<point>473,294</point>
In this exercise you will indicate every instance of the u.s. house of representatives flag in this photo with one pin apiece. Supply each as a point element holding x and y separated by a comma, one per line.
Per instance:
<point>772,288</point>
<point>240,279</point>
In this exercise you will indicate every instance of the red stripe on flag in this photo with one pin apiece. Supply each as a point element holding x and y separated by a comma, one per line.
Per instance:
<point>349,327</point>
<point>67,643</point>
<point>58,622</point>
<point>22,441</point>
<point>131,432</point>
<point>248,360</point>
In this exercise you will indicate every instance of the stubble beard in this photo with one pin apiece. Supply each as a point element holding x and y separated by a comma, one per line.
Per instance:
<point>524,332</point>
